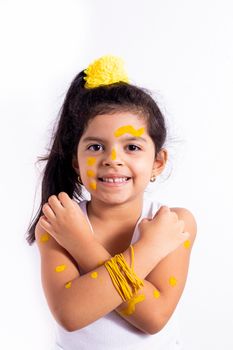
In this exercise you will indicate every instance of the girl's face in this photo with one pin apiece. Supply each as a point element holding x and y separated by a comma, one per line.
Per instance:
<point>116,157</point>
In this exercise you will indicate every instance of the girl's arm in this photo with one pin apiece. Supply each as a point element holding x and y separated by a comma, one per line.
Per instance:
<point>142,254</point>
<point>152,307</point>
<point>76,301</point>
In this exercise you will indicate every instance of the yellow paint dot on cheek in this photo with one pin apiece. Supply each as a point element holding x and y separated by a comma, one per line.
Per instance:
<point>68,285</point>
<point>156,293</point>
<point>92,185</point>
<point>44,238</point>
<point>94,274</point>
<point>60,268</point>
<point>172,281</point>
<point>187,244</point>
<point>91,160</point>
<point>90,173</point>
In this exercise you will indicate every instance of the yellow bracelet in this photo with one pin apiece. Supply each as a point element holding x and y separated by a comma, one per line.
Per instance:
<point>123,277</point>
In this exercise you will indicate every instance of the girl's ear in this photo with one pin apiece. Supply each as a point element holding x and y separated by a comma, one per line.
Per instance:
<point>75,164</point>
<point>160,161</point>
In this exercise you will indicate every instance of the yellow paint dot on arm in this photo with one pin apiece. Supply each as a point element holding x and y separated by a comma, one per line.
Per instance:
<point>92,185</point>
<point>68,285</point>
<point>187,244</point>
<point>91,160</point>
<point>90,173</point>
<point>44,238</point>
<point>94,274</point>
<point>172,281</point>
<point>156,293</point>
<point>60,268</point>
<point>130,309</point>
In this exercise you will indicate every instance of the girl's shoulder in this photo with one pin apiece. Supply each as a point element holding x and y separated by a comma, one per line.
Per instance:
<point>189,220</point>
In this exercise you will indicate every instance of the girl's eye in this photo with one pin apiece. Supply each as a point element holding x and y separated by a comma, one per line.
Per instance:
<point>95,147</point>
<point>134,148</point>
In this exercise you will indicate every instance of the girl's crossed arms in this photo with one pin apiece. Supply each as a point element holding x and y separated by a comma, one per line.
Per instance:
<point>67,244</point>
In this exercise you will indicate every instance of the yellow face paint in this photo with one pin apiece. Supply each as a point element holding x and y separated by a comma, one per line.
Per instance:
<point>187,244</point>
<point>172,281</point>
<point>156,293</point>
<point>94,274</point>
<point>100,263</point>
<point>113,154</point>
<point>60,268</point>
<point>91,160</point>
<point>90,173</point>
<point>92,185</point>
<point>131,305</point>
<point>68,285</point>
<point>128,129</point>
<point>44,238</point>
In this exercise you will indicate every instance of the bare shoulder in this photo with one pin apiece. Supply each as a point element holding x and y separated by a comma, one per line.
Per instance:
<point>189,220</point>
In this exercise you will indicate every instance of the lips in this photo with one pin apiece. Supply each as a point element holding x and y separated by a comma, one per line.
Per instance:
<point>114,178</point>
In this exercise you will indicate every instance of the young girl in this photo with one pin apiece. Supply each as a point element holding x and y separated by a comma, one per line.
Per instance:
<point>113,268</point>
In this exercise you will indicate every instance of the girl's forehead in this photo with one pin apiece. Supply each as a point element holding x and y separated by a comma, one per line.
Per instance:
<point>112,122</point>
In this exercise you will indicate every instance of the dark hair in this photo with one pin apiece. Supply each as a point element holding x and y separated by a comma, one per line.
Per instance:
<point>81,105</point>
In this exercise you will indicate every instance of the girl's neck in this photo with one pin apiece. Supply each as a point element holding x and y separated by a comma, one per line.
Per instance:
<point>126,212</point>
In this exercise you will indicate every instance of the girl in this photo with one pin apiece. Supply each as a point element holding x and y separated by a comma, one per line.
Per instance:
<point>113,267</point>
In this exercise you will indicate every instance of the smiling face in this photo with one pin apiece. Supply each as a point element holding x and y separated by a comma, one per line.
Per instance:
<point>116,157</point>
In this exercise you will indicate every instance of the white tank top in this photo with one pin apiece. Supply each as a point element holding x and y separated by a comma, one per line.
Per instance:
<point>113,332</point>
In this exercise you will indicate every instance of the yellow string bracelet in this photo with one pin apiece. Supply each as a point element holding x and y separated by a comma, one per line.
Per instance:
<point>123,277</point>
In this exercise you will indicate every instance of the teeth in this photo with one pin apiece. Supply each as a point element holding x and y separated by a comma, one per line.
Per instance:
<point>115,180</point>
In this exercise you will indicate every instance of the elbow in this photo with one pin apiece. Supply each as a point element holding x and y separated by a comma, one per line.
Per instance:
<point>156,325</point>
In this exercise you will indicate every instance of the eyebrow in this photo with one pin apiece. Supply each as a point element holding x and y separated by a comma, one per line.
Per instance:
<point>94,138</point>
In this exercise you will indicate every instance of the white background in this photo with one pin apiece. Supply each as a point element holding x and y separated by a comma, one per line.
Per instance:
<point>182,50</point>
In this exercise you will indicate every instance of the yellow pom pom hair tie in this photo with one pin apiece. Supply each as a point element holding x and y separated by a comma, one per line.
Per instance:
<point>123,277</point>
<point>105,71</point>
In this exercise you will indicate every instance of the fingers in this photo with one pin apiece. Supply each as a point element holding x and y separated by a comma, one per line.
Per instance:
<point>65,200</point>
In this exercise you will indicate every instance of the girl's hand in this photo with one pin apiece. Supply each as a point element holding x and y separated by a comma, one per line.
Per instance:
<point>164,233</point>
<point>64,220</point>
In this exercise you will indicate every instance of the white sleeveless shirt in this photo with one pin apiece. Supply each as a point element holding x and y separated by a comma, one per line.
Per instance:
<point>112,331</point>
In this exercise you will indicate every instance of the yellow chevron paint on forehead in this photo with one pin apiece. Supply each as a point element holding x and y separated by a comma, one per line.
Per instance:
<point>129,129</point>
<point>91,160</point>
<point>113,154</point>
<point>44,238</point>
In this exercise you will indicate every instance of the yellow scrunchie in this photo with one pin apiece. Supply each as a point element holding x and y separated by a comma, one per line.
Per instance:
<point>104,71</point>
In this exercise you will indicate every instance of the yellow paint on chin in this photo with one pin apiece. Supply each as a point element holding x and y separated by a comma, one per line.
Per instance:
<point>90,173</point>
<point>68,285</point>
<point>129,129</point>
<point>91,160</point>
<point>44,238</point>
<point>172,281</point>
<point>187,244</point>
<point>60,268</point>
<point>131,305</point>
<point>94,274</point>
<point>113,154</point>
<point>92,185</point>
<point>156,293</point>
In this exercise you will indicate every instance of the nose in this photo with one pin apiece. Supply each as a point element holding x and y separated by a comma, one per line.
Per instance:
<point>113,159</point>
